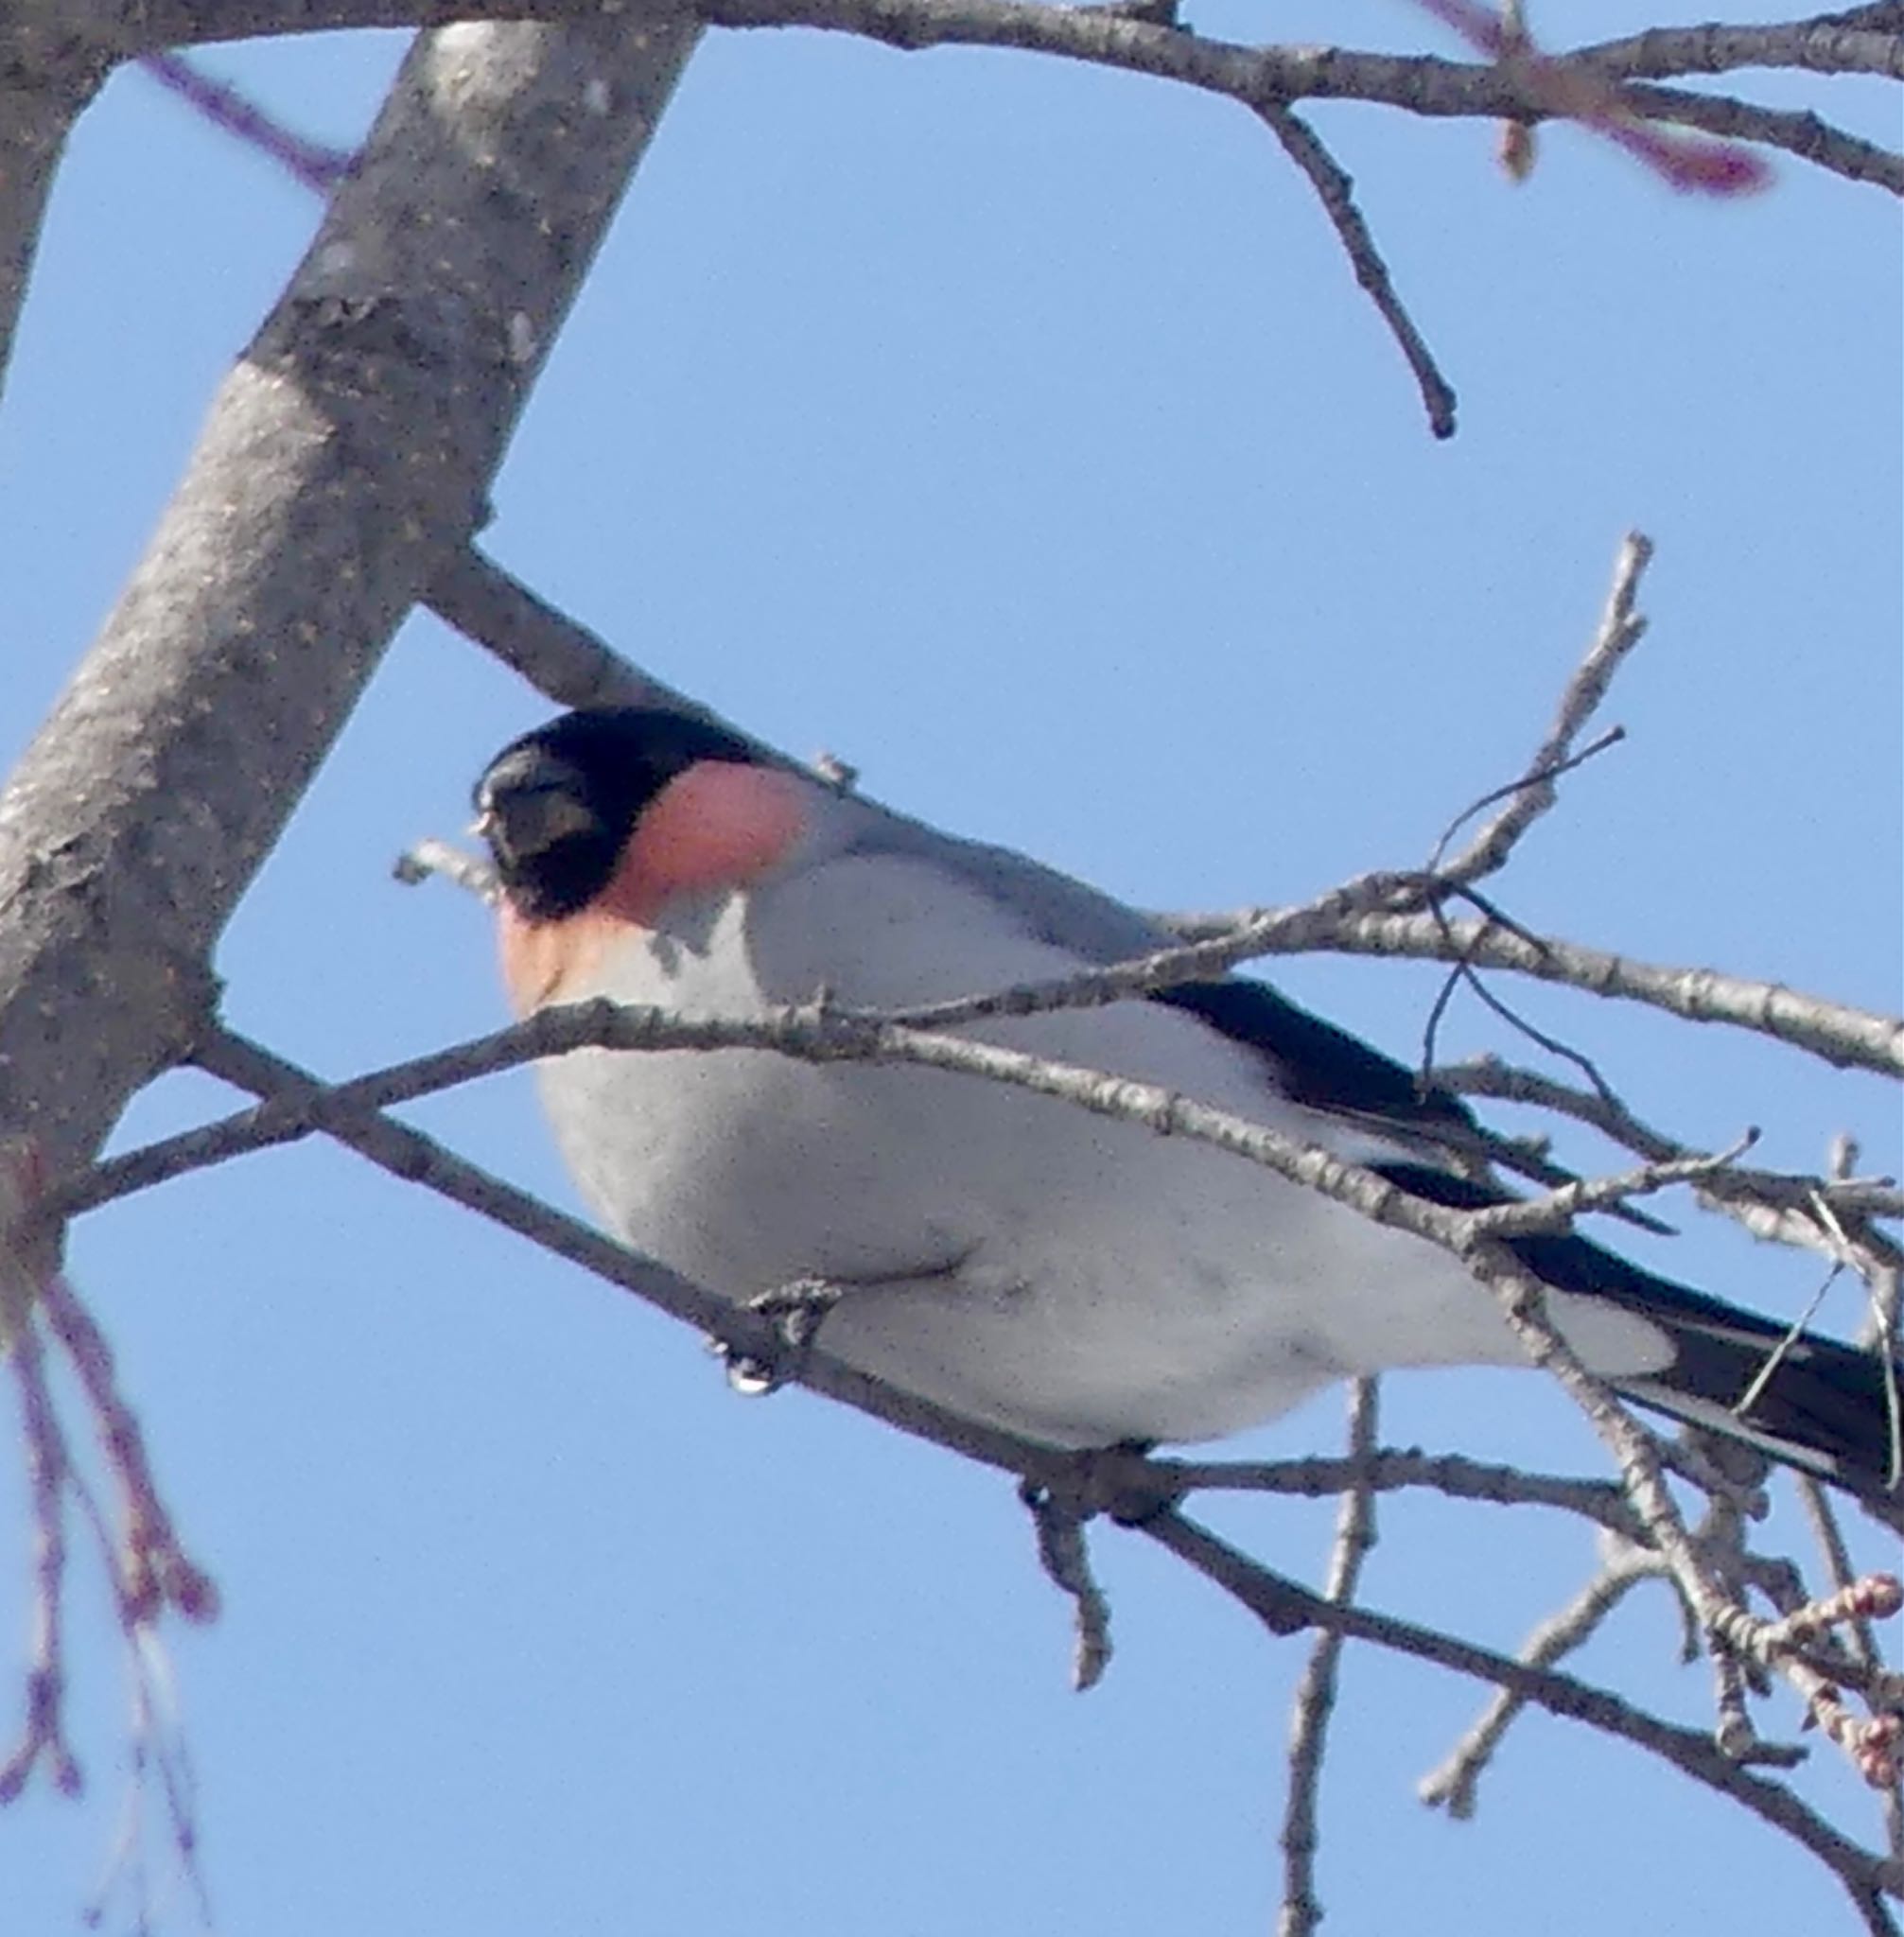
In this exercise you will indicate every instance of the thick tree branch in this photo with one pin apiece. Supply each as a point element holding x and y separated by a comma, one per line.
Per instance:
<point>345,458</point>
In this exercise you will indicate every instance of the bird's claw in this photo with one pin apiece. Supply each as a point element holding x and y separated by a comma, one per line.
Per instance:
<point>796,1311</point>
<point>1117,1481</point>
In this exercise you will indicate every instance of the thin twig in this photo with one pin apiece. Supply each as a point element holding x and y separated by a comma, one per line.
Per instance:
<point>155,1570</point>
<point>1284,1606</point>
<point>1778,1205</point>
<point>1335,190</point>
<point>1388,1469</point>
<point>314,163</point>
<point>1559,87</point>
<point>48,1464</point>
<point>1858,1636</point>
<point>428,856</point>
<point>1868,39</point>
<point>1837,1033</point>
<point>822,1033</point>
<point>1579,94</point>
<point>1380,914</point>
<point>420,1159</point>
<point>1316,1693</point>
<point>1620,629</point>
<point>1452,1784</point>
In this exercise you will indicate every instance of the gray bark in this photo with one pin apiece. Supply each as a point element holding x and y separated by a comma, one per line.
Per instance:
<point>347,455</point>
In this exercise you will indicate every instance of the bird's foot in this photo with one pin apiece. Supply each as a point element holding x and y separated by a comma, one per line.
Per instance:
<point>796,1311</point>
<point>1117,1480</point>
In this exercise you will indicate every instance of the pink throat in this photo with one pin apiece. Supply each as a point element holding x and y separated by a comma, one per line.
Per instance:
<point>718,825</point>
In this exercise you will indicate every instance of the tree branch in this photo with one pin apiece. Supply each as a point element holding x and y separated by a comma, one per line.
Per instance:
<point>1525,800</point>
<point>417,1158</point>
<point>1335,190</point>
<point>1388,1469</point>
<point>43,88</point>
<point>1827,44</point>
<point>1556,86</point>
<point>345,458</point>
<point>1316,1693</point>
<point>1285,1607</point>
<point>1452,1784</point>
<point>1780,1206</point>
<point>1378,914</point>
<point>1835,1032</point>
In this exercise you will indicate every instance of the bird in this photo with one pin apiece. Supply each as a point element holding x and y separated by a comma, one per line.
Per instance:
<point>1076,1280</point>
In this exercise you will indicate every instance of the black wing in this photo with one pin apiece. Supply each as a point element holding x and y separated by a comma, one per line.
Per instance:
<point>1323,1067</point>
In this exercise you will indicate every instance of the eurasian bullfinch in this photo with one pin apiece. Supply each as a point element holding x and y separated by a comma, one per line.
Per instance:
<point>1071,1278</point>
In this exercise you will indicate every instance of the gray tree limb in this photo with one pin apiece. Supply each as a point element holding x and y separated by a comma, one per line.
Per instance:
<point>39,102</point>
<point>346,457</point>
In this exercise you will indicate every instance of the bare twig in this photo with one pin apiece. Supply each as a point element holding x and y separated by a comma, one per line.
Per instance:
<point>1799,133</point>
<point>1579,94</point>
<point>1391,913</point>
<point>1284,1607</point>
<point>1526,799</point>
<point>557,654</point>
<point>1527,90</point>
<point>1779,1205</point>
<point>1388,1469</point>
<point>428,857</point>
<point>1828,44</point>
<point>420,1159</point>
<point>154,1570</point>
<point>1858,1636</point>
<point>147,1567</point>
<point>822,1033</point>
<point>1778,1646</point>
<point>1316,1693</point>
<point>1336,191</point>
<point>48,1465</point>
<point>1452,1784</point>
<point>1836,1033</point>
<point>313,163</point>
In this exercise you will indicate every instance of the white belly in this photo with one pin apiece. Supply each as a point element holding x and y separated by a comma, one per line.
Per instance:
<point>1071,1278</point>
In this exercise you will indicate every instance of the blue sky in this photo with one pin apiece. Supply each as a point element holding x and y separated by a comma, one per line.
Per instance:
<point>1015,432</point>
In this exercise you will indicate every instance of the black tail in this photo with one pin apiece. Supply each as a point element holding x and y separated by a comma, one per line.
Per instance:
<point>1827,1407</point>
<point>1824,1408</point>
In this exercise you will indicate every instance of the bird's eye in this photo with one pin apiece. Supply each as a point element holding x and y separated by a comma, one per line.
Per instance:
<point>525,819</point>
